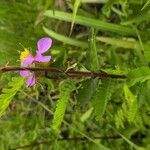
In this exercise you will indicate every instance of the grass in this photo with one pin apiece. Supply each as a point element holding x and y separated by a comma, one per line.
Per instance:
<point>88,35</point>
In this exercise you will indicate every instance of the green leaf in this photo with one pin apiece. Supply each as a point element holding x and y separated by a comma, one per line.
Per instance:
<point>102,96</point>
<point>125,139</point>
<point>65,90</point>
<point>119,42</point>
<point>119,117</point>
<point>138,18</point>
<point>115,71</point>
<point>9,92</point>
<point>93,1</point>
<point>138,75</point>
<point>131,103</point>
<point>86,90</point>
<point>87,114</point>
<point>65,39</point>
<point>147,52</point>
<point>97,24</point>
<point>92,58</point>
<point>128,110</point>
<point>60,59</point>
<point>75,9</point>
<point>146,4</point>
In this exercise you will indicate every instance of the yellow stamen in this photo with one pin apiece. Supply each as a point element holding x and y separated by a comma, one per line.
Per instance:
<point>24,54</point>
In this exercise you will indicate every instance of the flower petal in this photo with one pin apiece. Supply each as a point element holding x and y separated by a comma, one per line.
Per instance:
<point>44,44</point>
<point>24,73</point>
<point>31,80</point>
<point>27,61</point>
<point>41,58</point>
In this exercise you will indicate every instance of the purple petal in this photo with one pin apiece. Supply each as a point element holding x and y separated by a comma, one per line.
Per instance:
<point>41,58</point>
<point>44,44</point>
<point>24,73</point>
<point>27,61</point>
<point>31,80</point>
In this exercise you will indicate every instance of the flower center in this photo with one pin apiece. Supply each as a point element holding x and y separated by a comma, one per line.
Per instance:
<point>25,54</point>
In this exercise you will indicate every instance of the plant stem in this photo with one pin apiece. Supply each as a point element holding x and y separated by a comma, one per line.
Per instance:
<point>69,73</point>
<point>37,143</point>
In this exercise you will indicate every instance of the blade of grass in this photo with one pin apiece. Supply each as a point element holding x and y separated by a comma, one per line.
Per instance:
<point>118,42</point>
<point>101,25</point>
<point>140,51</point>
<point>94,1</point>
<point>140,40</point>
<point>92,57</point>
<point>123,137</point>
<point>65,39</point>
<point>143,16</point>
<point>75,9</point>
<point>146,4</point>
<point>81,11</point>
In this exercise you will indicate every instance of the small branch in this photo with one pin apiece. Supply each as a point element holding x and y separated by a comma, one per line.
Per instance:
<point>69,73</point>
<point>36,143</point>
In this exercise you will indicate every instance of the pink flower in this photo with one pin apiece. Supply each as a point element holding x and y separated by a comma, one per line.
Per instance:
<point>27,59</point>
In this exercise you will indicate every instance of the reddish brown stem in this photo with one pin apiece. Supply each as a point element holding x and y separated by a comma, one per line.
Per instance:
<point>69,73</point>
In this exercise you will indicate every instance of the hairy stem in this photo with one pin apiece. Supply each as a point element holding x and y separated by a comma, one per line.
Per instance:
<point>69,73</point>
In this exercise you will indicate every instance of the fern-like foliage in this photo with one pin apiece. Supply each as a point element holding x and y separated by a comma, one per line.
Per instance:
<point>65,90</point>
<point>146,4</point>
<point>9,92</point>
<point>138,75</point>
<point>131,101</point>
<point>128,110</point>
<point>102,95</point>
<point>119,117</point>
<point>86,91</point>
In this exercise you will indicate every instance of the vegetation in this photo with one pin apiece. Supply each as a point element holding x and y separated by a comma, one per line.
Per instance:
<point>94,94</point>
